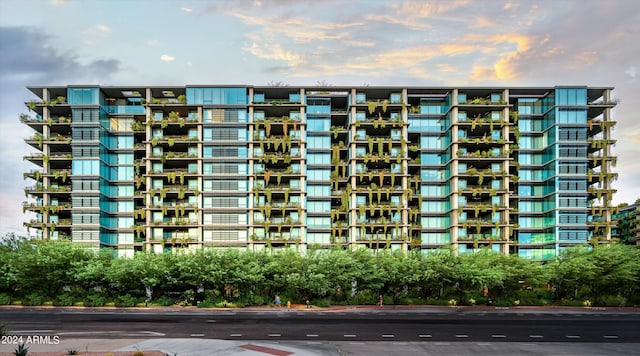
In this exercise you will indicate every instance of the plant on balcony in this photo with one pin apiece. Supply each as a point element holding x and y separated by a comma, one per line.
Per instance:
<point>371,105</point>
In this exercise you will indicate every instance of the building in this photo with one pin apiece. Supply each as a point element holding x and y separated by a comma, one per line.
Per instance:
<point>516,170</point>
<point>626,227</point>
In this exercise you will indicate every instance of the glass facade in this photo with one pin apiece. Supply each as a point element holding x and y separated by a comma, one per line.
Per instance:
<point>515,170</point>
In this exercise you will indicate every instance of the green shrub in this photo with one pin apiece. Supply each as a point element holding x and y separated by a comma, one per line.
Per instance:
<point>611,301</point>
<point>321,302</point>
<point>571,303</point>
<point>365,297</point>
<point>33,299</point>
<point>126,301</point>
<point>503,303</point>
<point>436,301</point>
<point>64,300</point>
<point>5,299</point>
<point>94,300</point>
<point>164,301</point>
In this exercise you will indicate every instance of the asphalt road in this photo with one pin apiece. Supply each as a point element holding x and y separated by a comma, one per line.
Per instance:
<point>350,325</point>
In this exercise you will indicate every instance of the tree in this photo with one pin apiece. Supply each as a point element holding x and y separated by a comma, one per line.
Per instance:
<point>572,270</point>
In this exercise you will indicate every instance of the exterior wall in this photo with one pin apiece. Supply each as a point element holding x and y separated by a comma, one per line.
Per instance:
<point>516,170</point>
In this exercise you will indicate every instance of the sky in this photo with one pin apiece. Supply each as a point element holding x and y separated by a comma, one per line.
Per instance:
<point>300,42</point>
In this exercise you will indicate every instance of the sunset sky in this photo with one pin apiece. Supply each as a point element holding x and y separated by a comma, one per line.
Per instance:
<point>300,42</point>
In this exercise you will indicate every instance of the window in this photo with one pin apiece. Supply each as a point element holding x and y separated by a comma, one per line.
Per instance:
<point>572,151</point>
<point>318,206</point>
<point>573,134</point>
<point>318,158</point>
<point>85,167</point>
<point>318,124</point>
<point>318,142</point>
<point>318,174</point>
<point>217,96</point>
<point>318,190</point>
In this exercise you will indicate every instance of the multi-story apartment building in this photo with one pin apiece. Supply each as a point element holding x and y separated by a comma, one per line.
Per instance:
<point>626,227</point>
<point>516,170</point>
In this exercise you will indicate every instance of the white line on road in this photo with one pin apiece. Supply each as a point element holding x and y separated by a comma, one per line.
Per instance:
<point>498,336</point>
<point>151,333</point>
<point>312,335</point>
<point>211,321</point>
<point>461,335</point>
<point>425,336</point>
<point>349,335</point>
<point>610,336</point>
<point>536,336</point>
<point>274,335</point>
<point>356,343</point>
<point>235,335</point>
<point>572,336</point>
<point>196,335</point>
<point>89,332</point>
<point>31,331</point>
<point>388,335</point>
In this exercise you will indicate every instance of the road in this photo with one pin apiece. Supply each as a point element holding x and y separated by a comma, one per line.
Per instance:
<point>349,325</point>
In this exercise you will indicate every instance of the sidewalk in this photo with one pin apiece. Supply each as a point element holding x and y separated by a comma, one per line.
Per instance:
<point>163,347</point>
<point>344,308</point>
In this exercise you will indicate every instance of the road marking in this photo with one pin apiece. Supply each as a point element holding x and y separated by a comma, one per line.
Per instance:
<point>196,335</point>
<point>274,335</point>
<point>151,333</point>
<point>349,335</point>
<point>536,336</point>
<point>235,335</point>
<point>610,336</point>
<point>211,321</point>
<point>312,335</point>
<point>356,343</point>
<point>314,342</point>
<point>461,335</point>
<point>425,335</point>
<point>388,335</point>
<point>497,336</point>
<point>572,336</point>
<point>31,331</point>
<point>89,332</point>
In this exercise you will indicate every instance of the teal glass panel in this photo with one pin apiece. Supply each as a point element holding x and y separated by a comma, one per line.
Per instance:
<point>83,96</point>
<point>229,96</point>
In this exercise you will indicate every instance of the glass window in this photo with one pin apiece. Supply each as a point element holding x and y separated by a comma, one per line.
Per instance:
<point>318,124</point>
<point>319,206</point>
<point>318,190</point>
<point>318,158</point>
<point>318,141</point>
<point>318,174</point>
<point>85,167</point>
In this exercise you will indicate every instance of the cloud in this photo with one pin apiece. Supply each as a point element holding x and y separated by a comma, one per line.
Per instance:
<point>152,43</point>
<point>632,72</point>
<point>167,58</point>
<point>96,33</point>
<point>29,59</point>
<point>186,9</point>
